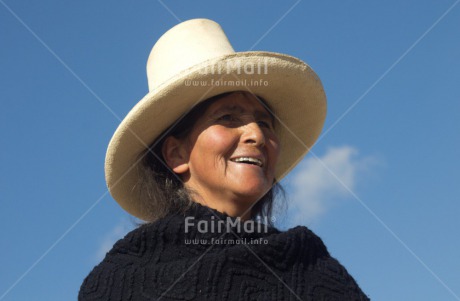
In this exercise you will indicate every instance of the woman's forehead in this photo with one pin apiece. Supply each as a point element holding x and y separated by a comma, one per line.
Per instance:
<point>240,102</point>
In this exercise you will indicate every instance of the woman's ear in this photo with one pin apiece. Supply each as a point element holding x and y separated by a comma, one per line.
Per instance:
<point>175,154</point>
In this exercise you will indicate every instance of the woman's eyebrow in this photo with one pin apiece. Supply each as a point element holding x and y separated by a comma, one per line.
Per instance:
<point>239,109</point>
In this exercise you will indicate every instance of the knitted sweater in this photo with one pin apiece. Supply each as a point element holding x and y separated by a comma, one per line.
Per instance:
<point>189,257</point>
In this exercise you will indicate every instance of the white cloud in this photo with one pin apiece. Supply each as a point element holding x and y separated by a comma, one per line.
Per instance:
<point>313,187</point>
<point>118,232</point>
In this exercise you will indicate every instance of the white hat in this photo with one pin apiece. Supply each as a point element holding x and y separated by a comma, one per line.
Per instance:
<point>194,61</point>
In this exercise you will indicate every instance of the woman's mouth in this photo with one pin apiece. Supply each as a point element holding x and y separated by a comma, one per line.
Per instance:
<point>248,160</point>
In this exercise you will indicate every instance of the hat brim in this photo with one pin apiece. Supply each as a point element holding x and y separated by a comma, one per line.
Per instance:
<point>290,87</point>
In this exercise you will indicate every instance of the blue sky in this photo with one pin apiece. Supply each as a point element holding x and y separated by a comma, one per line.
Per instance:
<point>380,187</point>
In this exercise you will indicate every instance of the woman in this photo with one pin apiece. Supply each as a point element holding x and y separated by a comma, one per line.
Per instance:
<point>199,159</point>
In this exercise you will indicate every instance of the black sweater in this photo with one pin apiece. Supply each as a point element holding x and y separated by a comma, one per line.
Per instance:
<point>163,261</point>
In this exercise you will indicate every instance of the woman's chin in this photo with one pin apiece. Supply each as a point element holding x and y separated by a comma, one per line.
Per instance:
<point>251,190</point>
<point>251,179</point>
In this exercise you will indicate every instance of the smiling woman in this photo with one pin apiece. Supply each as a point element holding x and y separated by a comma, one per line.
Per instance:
<point>203,172</point>
<point>216,160</point>
<point>228,134</point>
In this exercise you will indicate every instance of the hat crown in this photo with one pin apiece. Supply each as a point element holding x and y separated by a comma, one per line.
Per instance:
<point>183,46</point>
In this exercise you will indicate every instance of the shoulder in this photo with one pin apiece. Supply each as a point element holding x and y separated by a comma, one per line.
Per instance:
<point>323,275</point>
<point>121,262</point>
<point>330,278</point>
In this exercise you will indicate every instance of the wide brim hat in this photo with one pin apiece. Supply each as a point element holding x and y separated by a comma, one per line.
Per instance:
<point>194,61</point>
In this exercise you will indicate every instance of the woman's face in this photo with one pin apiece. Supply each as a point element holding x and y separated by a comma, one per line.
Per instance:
<point>231,153</point>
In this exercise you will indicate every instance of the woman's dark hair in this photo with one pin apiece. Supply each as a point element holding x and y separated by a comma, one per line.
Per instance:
<point>163,192</point>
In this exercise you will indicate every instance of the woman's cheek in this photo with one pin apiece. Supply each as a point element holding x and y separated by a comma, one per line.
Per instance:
<point>221,140</point>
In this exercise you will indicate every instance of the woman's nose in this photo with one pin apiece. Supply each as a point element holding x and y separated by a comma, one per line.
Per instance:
<point>253,134</point>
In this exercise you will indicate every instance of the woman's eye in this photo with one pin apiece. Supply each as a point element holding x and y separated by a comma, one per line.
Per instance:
<point>265,124</point>
<point>226,117</point>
